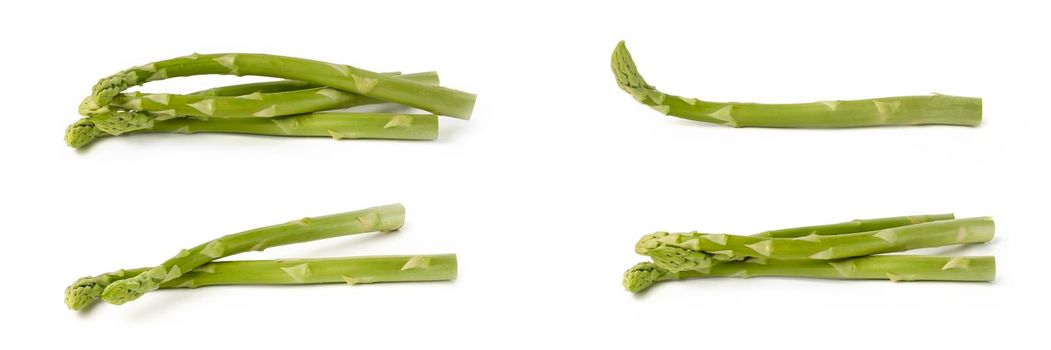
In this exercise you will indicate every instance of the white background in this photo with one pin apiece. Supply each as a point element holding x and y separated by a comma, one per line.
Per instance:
<point>545,191</point>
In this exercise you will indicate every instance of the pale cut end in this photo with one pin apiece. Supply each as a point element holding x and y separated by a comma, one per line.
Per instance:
<point>391,217</point>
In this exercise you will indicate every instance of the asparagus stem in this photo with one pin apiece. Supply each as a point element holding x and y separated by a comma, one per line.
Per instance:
<point>853,226</point>
<point>695,250</point>
<point>889,267</point>
<point>250,105</point>
<point>337,125</point>
<point>435,99</point>
<point>429,78</point>
<point>352,270</point>
<point>904,110</point>
<point>382,218</point>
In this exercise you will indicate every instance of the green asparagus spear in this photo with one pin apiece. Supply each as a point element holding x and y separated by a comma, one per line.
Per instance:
<point>438,100</point>
<point>905,110</point>
<point>853,226</point>
<point>382,218</point>
<point>256,104</point>
<point>429,78</point>
<point>696,251</point>
<point>337,125</point>
<point>351,270</point>
<point>890,267</point>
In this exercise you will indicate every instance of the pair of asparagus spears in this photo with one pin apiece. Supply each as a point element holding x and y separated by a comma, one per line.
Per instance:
<point>291,107</point>
<point>195,267</point>
<point>842,251</point>
<point>903,110</point>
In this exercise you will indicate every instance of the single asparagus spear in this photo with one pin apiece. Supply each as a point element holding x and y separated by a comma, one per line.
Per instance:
<point>256,104</point>
<point>338,125</point>
<point>435,99</point>
<point>890,267</point>
<point>382,218</point>
<point>290,85</point>
<point>353,270</point>
<point>853,226</point>
<point>695,250</point>
<point>904,110</point>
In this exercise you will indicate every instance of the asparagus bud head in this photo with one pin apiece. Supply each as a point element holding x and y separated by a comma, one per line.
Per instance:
<point>122,291</point>
<point>642,276</point>
<point>81,133</point>
<point>83,292</point>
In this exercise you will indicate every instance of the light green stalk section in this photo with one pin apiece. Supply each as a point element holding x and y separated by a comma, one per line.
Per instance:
<point>255,104</point>
<point>853,226</point>
<point>352,270</point>
<point>435,99</point>
<point>904,110</point>
<point>337,125</point>
<point>290,85</point>
<point>382,218</point>
<point>696,251</point>
<point>886,267</point>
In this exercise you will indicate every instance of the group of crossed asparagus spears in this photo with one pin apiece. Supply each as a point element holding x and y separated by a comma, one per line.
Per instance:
<point>194,267</point>
<point>843,251</point>
<point>291,107</point>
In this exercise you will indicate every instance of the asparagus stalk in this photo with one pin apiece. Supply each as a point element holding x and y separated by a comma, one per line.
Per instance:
<point>435,99</point>
<point>904,110</point>
<point>382,218</point>
<point>853,226</point>
<point>290,85</point>
<point>255,104</point>
<point>337,125</point>
<point>352,270</point>
<point>696,251</point>
<point>889,267</point>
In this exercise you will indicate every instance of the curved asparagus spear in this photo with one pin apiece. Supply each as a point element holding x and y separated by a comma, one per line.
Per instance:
<point>337,125</point>
<point>382,218</point>
<point>431,78</point>
<point>889,267</point>
<point>904,110</point>
<point>352,270</point>
<point>438,100</point>
<point>255,104</point>
<point>695,250</point>
<point>853,226</point>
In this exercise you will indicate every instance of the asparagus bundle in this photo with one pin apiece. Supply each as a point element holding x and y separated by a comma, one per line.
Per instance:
<point>903,110</point>
<point>282,108</point>
<point>842,250</point>
<point>195,267</point>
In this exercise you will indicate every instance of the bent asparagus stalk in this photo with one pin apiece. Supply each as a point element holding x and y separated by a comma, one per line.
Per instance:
<point>853,226</point>
<point>904,110</point>
<point>337,125</point>
<point>291,85</point>
<point>887,267</point>
<point>255,104</point>
<point>382,218</point>
<point>435,99</point>
<point>696,251</point>
<point>351,270</point>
